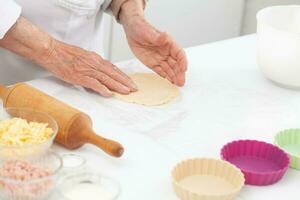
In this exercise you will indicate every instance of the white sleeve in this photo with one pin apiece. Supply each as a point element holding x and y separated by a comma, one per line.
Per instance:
<point>106,7</point>
<point>10,11</point>
<point>114,6</point>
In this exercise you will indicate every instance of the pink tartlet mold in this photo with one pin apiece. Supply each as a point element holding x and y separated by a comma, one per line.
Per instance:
<point>262,163</point>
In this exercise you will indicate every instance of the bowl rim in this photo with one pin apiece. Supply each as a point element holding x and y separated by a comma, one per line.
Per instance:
<point>260,14</point>
<point>36,180</point>
<point>281,170</point>
<point>236,190</point>
<point>99,176</point>
<point>51,138</point>
<point>65,156</point>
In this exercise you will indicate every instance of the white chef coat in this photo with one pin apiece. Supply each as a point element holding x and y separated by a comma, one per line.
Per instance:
<point>76,22</point>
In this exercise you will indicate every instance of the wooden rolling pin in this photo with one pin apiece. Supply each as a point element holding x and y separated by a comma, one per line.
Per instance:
<point>75,127</point>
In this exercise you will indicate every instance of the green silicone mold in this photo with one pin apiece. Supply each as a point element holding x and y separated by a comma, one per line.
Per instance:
<point>289,141</point>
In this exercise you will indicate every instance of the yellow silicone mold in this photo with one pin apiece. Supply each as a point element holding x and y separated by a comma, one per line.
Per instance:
<point>206,179</point>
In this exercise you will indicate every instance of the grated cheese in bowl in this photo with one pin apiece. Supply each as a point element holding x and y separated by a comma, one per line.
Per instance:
<point>17,131</point>
<point>25,132</point>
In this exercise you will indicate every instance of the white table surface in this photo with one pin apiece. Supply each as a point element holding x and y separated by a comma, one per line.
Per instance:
<point>225,98</point>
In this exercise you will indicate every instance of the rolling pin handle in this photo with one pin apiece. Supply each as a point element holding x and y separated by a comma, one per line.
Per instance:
<point>111,147</point>
<point>3,91</point>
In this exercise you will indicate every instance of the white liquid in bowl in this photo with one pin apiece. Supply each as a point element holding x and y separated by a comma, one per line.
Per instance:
<point>87,191</point>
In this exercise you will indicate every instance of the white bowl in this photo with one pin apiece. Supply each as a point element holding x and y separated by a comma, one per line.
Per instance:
<point>108,188</point>
<point>278,32</point>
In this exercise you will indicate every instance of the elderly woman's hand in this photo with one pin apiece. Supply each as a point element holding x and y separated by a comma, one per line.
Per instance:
<point>80,67</point>
<point>69,63</point>
<point>155,49</point>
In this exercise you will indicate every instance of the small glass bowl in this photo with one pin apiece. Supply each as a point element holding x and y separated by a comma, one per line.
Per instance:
<point>9,151</point>
<point>35,189</point>
<point>72,164</point>
<point>108,185</point>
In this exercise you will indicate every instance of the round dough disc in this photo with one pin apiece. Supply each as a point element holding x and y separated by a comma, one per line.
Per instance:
<point>153,90</point>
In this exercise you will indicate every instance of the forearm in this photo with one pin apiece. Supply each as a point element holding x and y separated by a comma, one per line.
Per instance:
<point>70,63</point>
<point>26,40</point>
<point>131,10</point>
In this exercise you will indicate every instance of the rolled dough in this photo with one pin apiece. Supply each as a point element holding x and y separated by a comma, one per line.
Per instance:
<point>153,90</point>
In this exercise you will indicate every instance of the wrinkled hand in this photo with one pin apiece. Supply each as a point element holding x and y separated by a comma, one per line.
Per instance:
<point>80,67</point>
<point>157,50</point>
<point>69,63</point>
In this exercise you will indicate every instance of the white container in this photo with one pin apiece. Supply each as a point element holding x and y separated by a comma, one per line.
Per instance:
<point>278,32</point>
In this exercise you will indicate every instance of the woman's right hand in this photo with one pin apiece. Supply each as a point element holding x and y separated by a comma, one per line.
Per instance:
<point>80,67</point>
<point>69,63</point>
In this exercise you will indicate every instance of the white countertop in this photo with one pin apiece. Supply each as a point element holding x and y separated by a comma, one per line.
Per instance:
<point>225,98</point>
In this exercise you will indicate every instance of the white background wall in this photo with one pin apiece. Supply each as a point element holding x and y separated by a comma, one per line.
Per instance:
<point>194,22</point>
<point>190,22</point>
<point>252,6</point>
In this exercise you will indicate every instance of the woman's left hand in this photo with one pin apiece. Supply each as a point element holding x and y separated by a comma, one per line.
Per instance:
<point>157,50</point>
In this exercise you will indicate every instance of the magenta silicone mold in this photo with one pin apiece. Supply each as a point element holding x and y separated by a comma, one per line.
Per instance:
<point>262,163</point>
